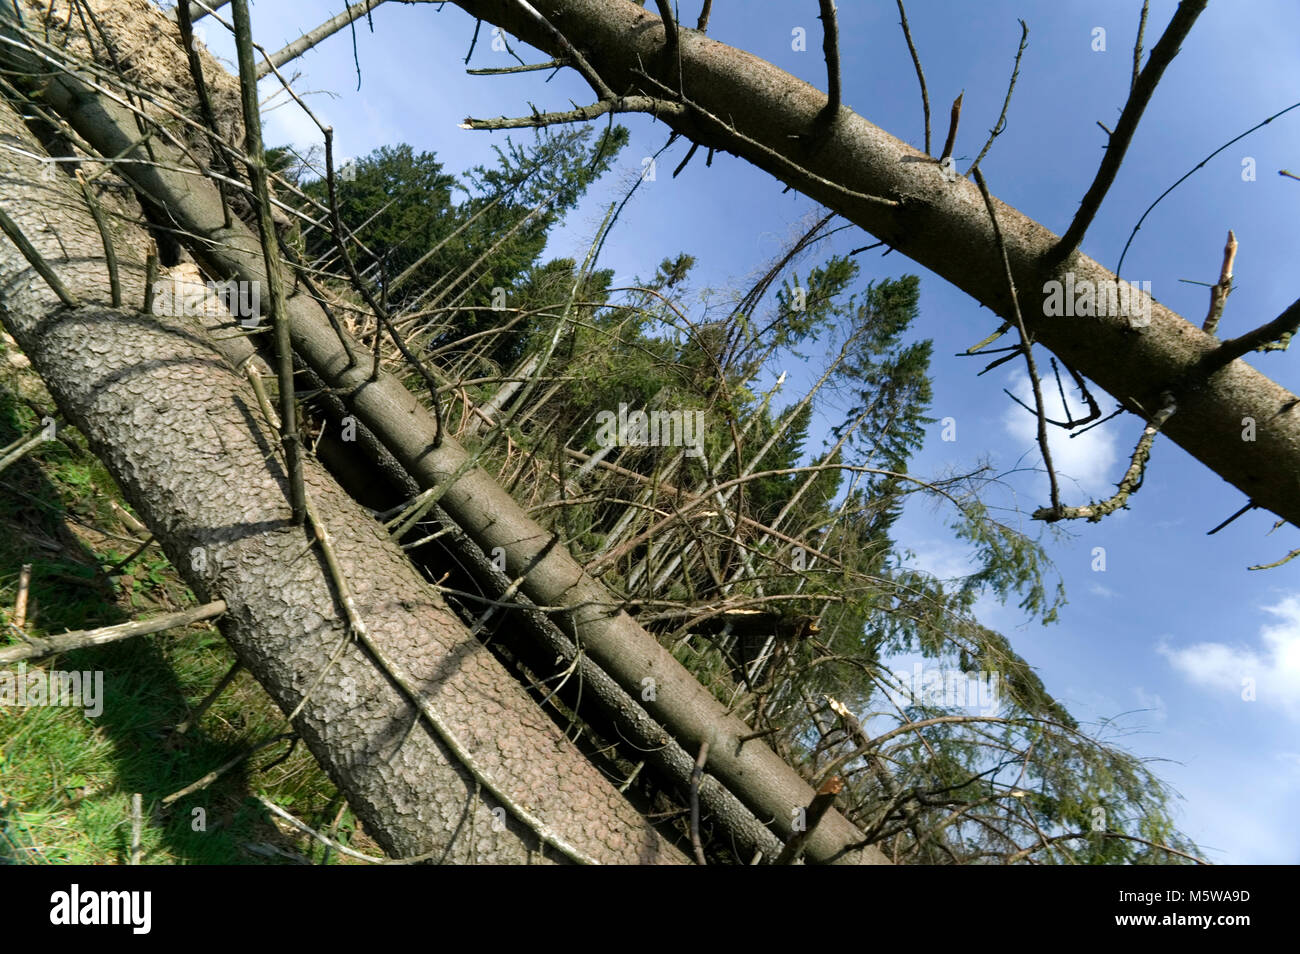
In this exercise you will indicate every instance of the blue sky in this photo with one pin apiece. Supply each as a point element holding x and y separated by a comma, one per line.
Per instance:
<point>1164,635</point>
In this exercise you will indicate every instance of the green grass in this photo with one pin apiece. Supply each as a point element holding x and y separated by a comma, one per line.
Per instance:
<point>66,780</point>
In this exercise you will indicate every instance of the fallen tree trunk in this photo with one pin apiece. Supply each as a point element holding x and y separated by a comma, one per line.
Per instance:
<point>551,577</point>
<point>742,104</point>
<point>182,434</point>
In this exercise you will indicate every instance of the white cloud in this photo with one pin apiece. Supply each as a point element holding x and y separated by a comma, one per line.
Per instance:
<point>1090,461</point>
<point>1273,666</point>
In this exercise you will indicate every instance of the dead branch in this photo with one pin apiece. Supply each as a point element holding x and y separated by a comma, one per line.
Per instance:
<point>1161,56</point>
<point>40,647</point>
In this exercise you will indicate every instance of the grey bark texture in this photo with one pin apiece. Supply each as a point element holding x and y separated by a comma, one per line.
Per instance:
<point>768,785</point>
<point>181,433</point>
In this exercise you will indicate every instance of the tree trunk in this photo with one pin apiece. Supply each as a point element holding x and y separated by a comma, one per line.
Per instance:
<point>771,120</point>
<point>182,434</point>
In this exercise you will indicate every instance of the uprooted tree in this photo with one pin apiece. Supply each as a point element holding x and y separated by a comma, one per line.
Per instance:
<point>337,621</point>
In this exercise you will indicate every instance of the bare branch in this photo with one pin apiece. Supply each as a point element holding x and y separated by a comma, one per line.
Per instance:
<point>528,68</point>
<point>572,55</point>
<point>1137,47</point>
<point>831,50</point>
<point>1187,175</point>
<point>40,647</point>
<point>953,119</point>
<point>15,235</point>
<point>311,38</point>
<point>1276,563</point>
<point>696,776</point>
<point>1219,292</point>
<point>1132,481</point>
<point>256,159</point>
<point>1161,56</point>
<point>623,104</point>
<point>821,803</point>
<point>920,73</point>
<point>670,24</point>
<point>1280,328</point>
<point>1025,342</point>
<point>1001,124</point>
<point>703,23</point>
<point>197,11</point>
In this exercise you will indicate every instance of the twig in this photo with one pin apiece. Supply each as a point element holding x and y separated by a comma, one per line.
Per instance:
<point>222,685</point>
<point>219,153</point>
<point>528,68</point>
<point>22,449</point>
<point>670,25</point>
<point>1137,47</point>
<point>622,104</point>
<point>1132,481</point>
<point>1025,342</point>
<point>129,558</point>
<point>1045,842</point>
<point>578,61</point>
<point>1219,292</point>
<point>356,625</point>
<point>1250,505</point>
<point>696,776</point>
<point>1161,56</point>
<point>920,73</point>
<point>1276,563</point>
<point>1187,175</point>
<point>137,823</point>
<point>703,23</point>
<point>20,602</point>
<point>473,41</point>
<point>381,313</point>
<point>331,26</point>
<point>43,646</point>
<point>105,236</point>
<point>339,846</point>
<point>15,234</point>
<point>795,168</point>
<point>150,276</point>
<point>225,767</point>
<point>831,50</point>
<point>1280,328</point>
<point>128,519</point>
<point>953,119</point>
<point>690,154</point>
<point>1001,124</point>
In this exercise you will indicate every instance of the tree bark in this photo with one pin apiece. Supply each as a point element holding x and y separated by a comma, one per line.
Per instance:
<point>182,434</point>
<point>755,773</point>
